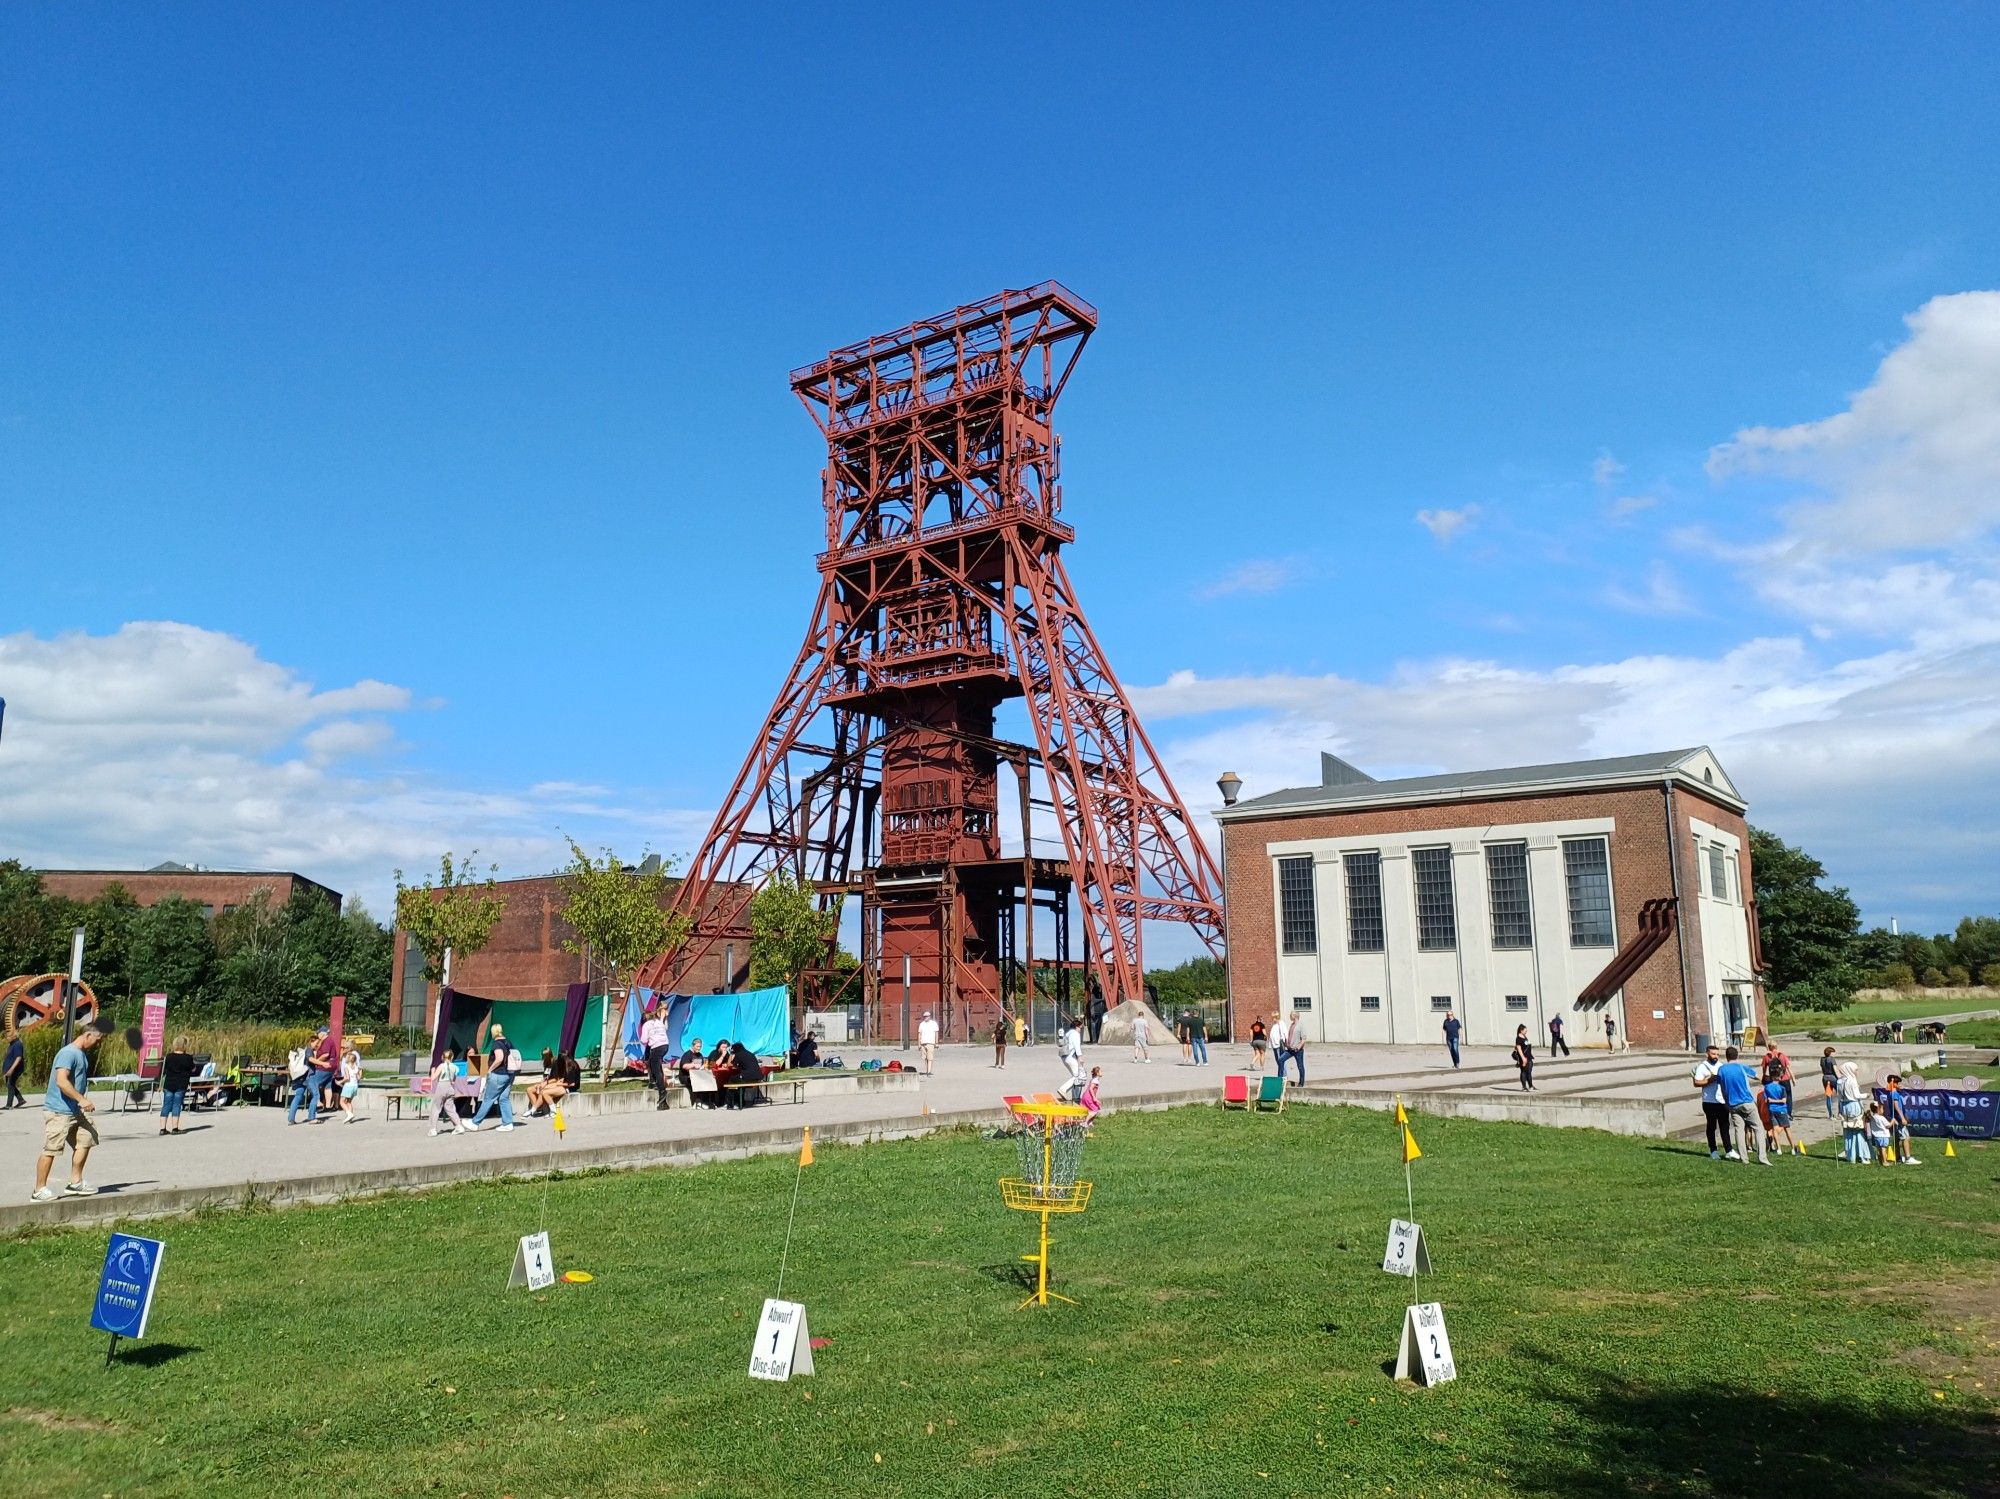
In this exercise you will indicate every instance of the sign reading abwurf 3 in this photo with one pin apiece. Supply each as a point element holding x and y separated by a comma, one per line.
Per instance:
<point>1406,1254</point>
<point>783,1346</point>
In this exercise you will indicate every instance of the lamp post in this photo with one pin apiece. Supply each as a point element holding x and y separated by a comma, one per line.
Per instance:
<point>69,989</point>
<point>1230,784</point>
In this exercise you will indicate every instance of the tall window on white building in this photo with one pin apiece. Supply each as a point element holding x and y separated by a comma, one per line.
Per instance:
<point>1363,874</point>
<point>1507,895</point>
<point>1437,913</point>
<point>1718,871</point>
<point>1587,873</point>
<point>1298,921</point>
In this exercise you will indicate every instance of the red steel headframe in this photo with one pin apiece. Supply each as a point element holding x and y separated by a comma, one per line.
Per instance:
<point>942,505</point>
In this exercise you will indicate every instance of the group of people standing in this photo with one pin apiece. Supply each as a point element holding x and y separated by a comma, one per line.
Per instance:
<point>1284,1039</point>
<point>315,1069</point>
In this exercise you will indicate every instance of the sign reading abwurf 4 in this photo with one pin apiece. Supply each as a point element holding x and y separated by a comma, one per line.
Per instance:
<point>1424,1355</point>
<point>534,1267</point>
<point>783,1347</point>
<point>1406,1254</point>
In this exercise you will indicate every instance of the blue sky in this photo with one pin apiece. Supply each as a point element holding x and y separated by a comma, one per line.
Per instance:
<point>425,369</point>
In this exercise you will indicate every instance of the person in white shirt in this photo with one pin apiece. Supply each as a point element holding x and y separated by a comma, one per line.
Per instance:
<point>1071,1050</point>
<point>927,1037</point>
<point>1280,1038</point>
<point>1142,1038</point>
<point>653,1038</point>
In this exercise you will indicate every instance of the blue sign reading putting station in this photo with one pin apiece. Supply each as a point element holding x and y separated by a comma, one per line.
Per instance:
<point>125,1293</point>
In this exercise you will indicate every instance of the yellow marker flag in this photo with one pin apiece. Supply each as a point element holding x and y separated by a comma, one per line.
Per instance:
<point>1410,1151</point>
<point>556,1118</point>
<point>806,1150</point>
<point>1401,1117</point>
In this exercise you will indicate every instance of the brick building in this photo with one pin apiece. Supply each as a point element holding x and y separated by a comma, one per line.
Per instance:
<point>1592,888</point>
<point>524,959</point>
<point>218,890</point>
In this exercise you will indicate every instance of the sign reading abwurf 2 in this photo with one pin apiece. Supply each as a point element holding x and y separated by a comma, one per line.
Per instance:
<point>1406,1254</point>
<point>1424,1355</point>
<point>783,1347</point>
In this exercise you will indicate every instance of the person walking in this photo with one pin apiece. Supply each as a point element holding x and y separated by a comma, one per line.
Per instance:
<point>1260,1040</point>
<point>176,1072</point>
<point>1295,1046</point>
<point>1142,1038</point>
<point>1070,1048</point>
<point>444,1095</point>
<point>1714,1112</point>
<point>1278,1042</point>
<point>1198,1036</point>
<point>1001,1026</point>
<point>350,1081</point>
<point>66,1122</point>
<point>1096,1010</point>
<point>16,1064</point>
<point>1829,1082</point>
<point>1523,1056</point>
<point>927,1039</point>
<point>502,1062</point>
<point>1556,1042</point>
<point>1451,1034</point>
<point>1186,1039</point>
<point>1739,1092</point>
<point>1611,1041</point>
<point>319,1072</point>
<point>1778,1069</point>
<point>653,1041</point>
<point>1088,1097</point>
<point>1899,1120</point>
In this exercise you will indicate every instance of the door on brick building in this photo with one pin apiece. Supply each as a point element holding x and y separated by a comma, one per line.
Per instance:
<point>1736,1012</point>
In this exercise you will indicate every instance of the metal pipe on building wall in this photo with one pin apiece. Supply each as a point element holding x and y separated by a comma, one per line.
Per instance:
<point>1680,919</point>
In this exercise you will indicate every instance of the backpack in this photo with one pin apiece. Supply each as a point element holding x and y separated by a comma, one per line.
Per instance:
<point>295,1064</point>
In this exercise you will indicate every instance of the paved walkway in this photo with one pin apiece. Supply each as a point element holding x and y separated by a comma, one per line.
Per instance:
<point>243,1154</point>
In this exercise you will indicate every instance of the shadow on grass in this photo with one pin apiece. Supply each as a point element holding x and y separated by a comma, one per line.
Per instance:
<point>147,1355</point>
<point>1724,1438</point>
<point>1020,1273</point>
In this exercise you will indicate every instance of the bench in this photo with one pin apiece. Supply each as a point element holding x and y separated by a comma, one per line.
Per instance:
<point>796,1084</point>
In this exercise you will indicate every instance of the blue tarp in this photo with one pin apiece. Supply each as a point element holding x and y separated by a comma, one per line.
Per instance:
<point>760,1019</point>
<point>635,1009</point>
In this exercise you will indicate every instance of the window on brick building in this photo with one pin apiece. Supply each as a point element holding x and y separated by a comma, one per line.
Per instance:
<point>1371,1002</point>
<point>1364,901</point>
<point>1718,871</point>
<point>1298,922</point>
<point>1440,1003</point>
<point>1507,895</point>
<point>1587,875</point>
<point>1437,913</point>
<point>1517,1001</point>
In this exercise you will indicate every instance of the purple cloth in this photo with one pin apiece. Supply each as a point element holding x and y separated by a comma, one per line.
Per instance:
<point>443,1032</point>
<point>575,1000</point>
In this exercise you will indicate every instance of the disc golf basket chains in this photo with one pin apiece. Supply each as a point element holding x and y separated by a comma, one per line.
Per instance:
<point>1050,1141</point>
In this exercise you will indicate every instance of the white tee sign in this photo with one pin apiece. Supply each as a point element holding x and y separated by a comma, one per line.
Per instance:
<point>783,1346</point>
<point>1406,1254</point>
<point>534,1267</point>
<point>1425,1352</point>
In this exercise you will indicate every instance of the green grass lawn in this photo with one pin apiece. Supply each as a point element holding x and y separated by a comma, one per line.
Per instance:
<point>1628,1316</point>
<point>1877,1009</point>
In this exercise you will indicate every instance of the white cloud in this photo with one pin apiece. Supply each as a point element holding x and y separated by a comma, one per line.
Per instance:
<point>1662,594</point>
<point>1606,471</point>
<point>1629,505</point>
<point>1914,460</point>
<point>1446,524</point>
<point>167,741</point>
<point>1259,575</point>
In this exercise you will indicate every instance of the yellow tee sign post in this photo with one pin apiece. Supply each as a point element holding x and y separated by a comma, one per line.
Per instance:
<point>783,1346</point>
<point>1051,1146</point>
<point>1424,1353</point>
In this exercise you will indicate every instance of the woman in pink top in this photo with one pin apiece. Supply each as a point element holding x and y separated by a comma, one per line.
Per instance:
<point>1088,1098</point>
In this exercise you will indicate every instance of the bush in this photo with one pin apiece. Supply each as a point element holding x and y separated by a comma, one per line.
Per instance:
<point>42,1042</point>
<point>1897,976</point>
<point>1990,975</point>
<point>1933,978</point>
<point>1957,976</point>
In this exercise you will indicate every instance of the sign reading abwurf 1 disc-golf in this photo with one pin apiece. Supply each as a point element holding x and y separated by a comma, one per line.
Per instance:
<point>125,1291</point>
<point>1406,1254</point>
<point>783,1347</point>
<point>533,1265</point>
<point>1425,1352</point>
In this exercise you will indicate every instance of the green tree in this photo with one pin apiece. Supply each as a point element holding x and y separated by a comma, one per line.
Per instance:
<point>109,920</point>
<point>789,933</point>
<point>171,951</point>
<point>365,951</point>
<point>458,912</point>
<point>256,974</point>
<point>1975,944</point>
<point>26,923</point>
<point>1808,929</point>
<point>1934,977</point>
<point>1198,981</point>
<point>616,913</point>
<point>1989,976</point>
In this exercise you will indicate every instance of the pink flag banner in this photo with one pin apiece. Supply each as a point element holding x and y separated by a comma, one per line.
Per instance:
<point>152,1035</point>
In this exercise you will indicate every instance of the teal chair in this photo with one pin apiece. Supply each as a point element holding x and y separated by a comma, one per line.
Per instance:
<point>1270,1095</point>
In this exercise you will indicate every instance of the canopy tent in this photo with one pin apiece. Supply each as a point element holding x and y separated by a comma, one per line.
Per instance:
<point>533,1025</point>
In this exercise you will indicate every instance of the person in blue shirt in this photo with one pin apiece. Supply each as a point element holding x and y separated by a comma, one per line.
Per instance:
<point>1778,1110</point>
<point>1740,1086</point>
<point>67,1124</point>
<point>1899,1119</point>
<point>1451,1030</point>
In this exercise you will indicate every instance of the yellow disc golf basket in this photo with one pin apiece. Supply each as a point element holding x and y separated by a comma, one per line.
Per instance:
<point>1050,1139</point>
